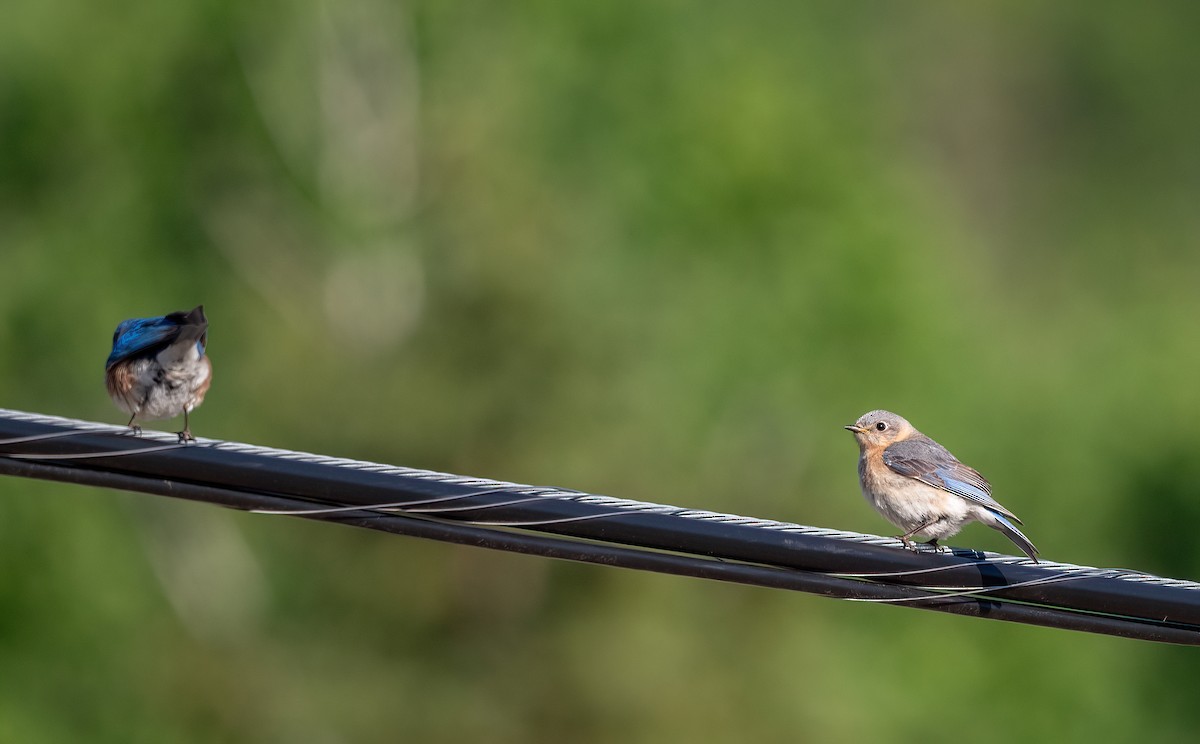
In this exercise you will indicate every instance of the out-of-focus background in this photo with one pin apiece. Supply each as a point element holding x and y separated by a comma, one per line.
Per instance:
<point>653,250</point>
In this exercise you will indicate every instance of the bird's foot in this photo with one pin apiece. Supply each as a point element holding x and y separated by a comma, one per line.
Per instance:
<point>908,544</point>
<point>938,548</point>
<point>185,436</point>
<point>135,430</point>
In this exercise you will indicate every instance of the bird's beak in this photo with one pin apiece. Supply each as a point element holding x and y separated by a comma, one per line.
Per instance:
<point>854,428</point>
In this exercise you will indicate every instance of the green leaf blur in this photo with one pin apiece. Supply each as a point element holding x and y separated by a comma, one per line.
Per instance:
<point>657,250</point>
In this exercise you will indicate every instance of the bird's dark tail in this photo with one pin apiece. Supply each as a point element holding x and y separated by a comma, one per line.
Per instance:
<point>193,326</point>
<point>1010,531</point>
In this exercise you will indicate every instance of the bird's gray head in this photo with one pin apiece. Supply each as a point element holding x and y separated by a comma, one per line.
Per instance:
<point>880,428</point>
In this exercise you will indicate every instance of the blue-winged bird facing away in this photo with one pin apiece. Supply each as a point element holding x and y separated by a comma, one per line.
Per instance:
<point>917,485</point>
<point>158,368</point>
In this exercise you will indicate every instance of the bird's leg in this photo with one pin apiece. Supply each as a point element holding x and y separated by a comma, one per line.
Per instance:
<point>137,430</point>
<point>937,548</point>
<point>186,434</point>
<point>905,538</point>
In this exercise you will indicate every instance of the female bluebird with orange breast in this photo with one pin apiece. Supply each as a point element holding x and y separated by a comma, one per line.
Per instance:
<point>917,485</point>
<point>158,368</point>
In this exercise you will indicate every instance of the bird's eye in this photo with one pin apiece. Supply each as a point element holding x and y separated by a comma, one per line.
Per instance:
<point>881,426</point>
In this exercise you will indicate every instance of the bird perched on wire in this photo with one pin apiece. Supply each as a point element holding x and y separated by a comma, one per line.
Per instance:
<point>158,368</point>
<point>917,485</point>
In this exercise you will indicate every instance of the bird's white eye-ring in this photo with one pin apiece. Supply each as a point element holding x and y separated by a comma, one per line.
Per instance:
<point>882,426</point>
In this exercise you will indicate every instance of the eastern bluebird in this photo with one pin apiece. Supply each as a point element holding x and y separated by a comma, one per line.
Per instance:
<point>158,369</point>
<point>917,485</point>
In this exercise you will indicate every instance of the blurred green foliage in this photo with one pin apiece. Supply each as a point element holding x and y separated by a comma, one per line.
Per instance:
<point>651,249</point>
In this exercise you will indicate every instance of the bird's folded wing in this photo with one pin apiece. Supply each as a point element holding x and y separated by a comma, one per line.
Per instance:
<point>932,464</point>
<point>141,335</point>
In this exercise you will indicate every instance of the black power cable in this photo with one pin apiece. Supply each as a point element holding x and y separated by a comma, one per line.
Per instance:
<point>576,526</point>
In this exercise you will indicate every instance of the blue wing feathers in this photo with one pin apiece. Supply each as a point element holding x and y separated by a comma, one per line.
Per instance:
<point>147,336</point>
<point>139,335</point>
<point>958,485</point>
